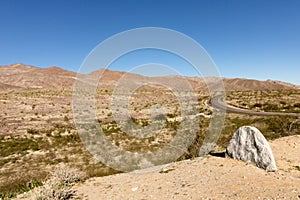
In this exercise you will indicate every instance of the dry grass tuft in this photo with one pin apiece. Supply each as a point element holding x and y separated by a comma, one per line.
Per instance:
<point>57,187</point>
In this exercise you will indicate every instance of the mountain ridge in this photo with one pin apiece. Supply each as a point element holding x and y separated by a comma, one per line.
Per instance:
<point>30,77</point>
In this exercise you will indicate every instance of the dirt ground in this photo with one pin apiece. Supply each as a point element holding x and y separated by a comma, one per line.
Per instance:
<point>208,178</point>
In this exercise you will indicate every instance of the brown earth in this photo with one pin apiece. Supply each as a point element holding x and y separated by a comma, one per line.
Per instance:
<point>207,178</point>
<point>32,77</point>
<point>25,76</point>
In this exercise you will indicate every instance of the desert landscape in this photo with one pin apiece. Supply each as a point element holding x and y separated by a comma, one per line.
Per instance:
<point>39,139</point>
<point>147,100</point>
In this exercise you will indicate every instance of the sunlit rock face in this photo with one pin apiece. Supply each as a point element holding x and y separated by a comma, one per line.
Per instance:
<point>248,144</point>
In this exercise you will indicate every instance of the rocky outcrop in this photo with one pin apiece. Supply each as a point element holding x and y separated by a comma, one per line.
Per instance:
<point>248,144</point>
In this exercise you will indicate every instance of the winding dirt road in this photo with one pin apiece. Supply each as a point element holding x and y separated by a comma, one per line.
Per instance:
<point>218,103</point>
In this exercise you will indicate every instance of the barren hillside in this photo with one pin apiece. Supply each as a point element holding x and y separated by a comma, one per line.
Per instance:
<point>32,77</point>
<point>25,76</point>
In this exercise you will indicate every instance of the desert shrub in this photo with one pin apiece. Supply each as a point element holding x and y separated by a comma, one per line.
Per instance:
<point>173,125</point>
<point>66,119</point>
<point>288,107</point>
<point>297,105</point>
<point>32,131</point>
<point>171,115</point>
<point>282,102</point>
<point>194,148</point>
<point>271,107</point>
<point>279,126</point>
<point>98,169</point>
<point>60,141</point>
<point>57,187</point>
<point>18,145</point>
<point>21,183</point>
<point>257,105</point>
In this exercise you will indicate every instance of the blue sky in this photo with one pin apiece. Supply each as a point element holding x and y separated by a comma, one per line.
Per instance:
<point>257,39</point>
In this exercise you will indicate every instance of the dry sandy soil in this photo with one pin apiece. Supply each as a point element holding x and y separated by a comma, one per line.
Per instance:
<point>207,178</point>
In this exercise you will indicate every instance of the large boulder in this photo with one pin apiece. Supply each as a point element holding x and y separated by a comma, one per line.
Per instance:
<point>248,144</point>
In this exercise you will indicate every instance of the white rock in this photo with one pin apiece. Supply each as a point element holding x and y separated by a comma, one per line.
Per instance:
<point>248,144</point>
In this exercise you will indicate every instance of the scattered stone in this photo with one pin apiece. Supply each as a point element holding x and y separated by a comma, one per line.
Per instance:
<point>166,170</point>
<point>248,144</point>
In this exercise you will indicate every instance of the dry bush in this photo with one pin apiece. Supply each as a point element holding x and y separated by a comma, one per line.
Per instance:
<point>57,187</point>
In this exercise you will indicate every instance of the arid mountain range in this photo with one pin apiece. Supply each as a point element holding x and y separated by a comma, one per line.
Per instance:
<point>18,76</point>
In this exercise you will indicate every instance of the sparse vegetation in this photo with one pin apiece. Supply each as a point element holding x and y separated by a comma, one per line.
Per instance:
<point>272,127</point>
<point>43,135</point>
<point>276,101</point>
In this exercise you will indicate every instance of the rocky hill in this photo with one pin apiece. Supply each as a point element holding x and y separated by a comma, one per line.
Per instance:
<point>25,76</point>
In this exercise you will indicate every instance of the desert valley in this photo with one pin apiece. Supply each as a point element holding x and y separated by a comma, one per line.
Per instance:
<point>38,135</point>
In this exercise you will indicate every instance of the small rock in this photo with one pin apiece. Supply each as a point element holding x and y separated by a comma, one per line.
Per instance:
<point>134,189</point>
<point>248,144</point>
<point>166,170</point>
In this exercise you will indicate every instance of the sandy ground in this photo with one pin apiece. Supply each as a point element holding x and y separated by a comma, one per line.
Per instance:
<point>207,178</point>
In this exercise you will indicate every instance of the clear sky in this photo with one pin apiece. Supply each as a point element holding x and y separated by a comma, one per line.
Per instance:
<point>257,39</point>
